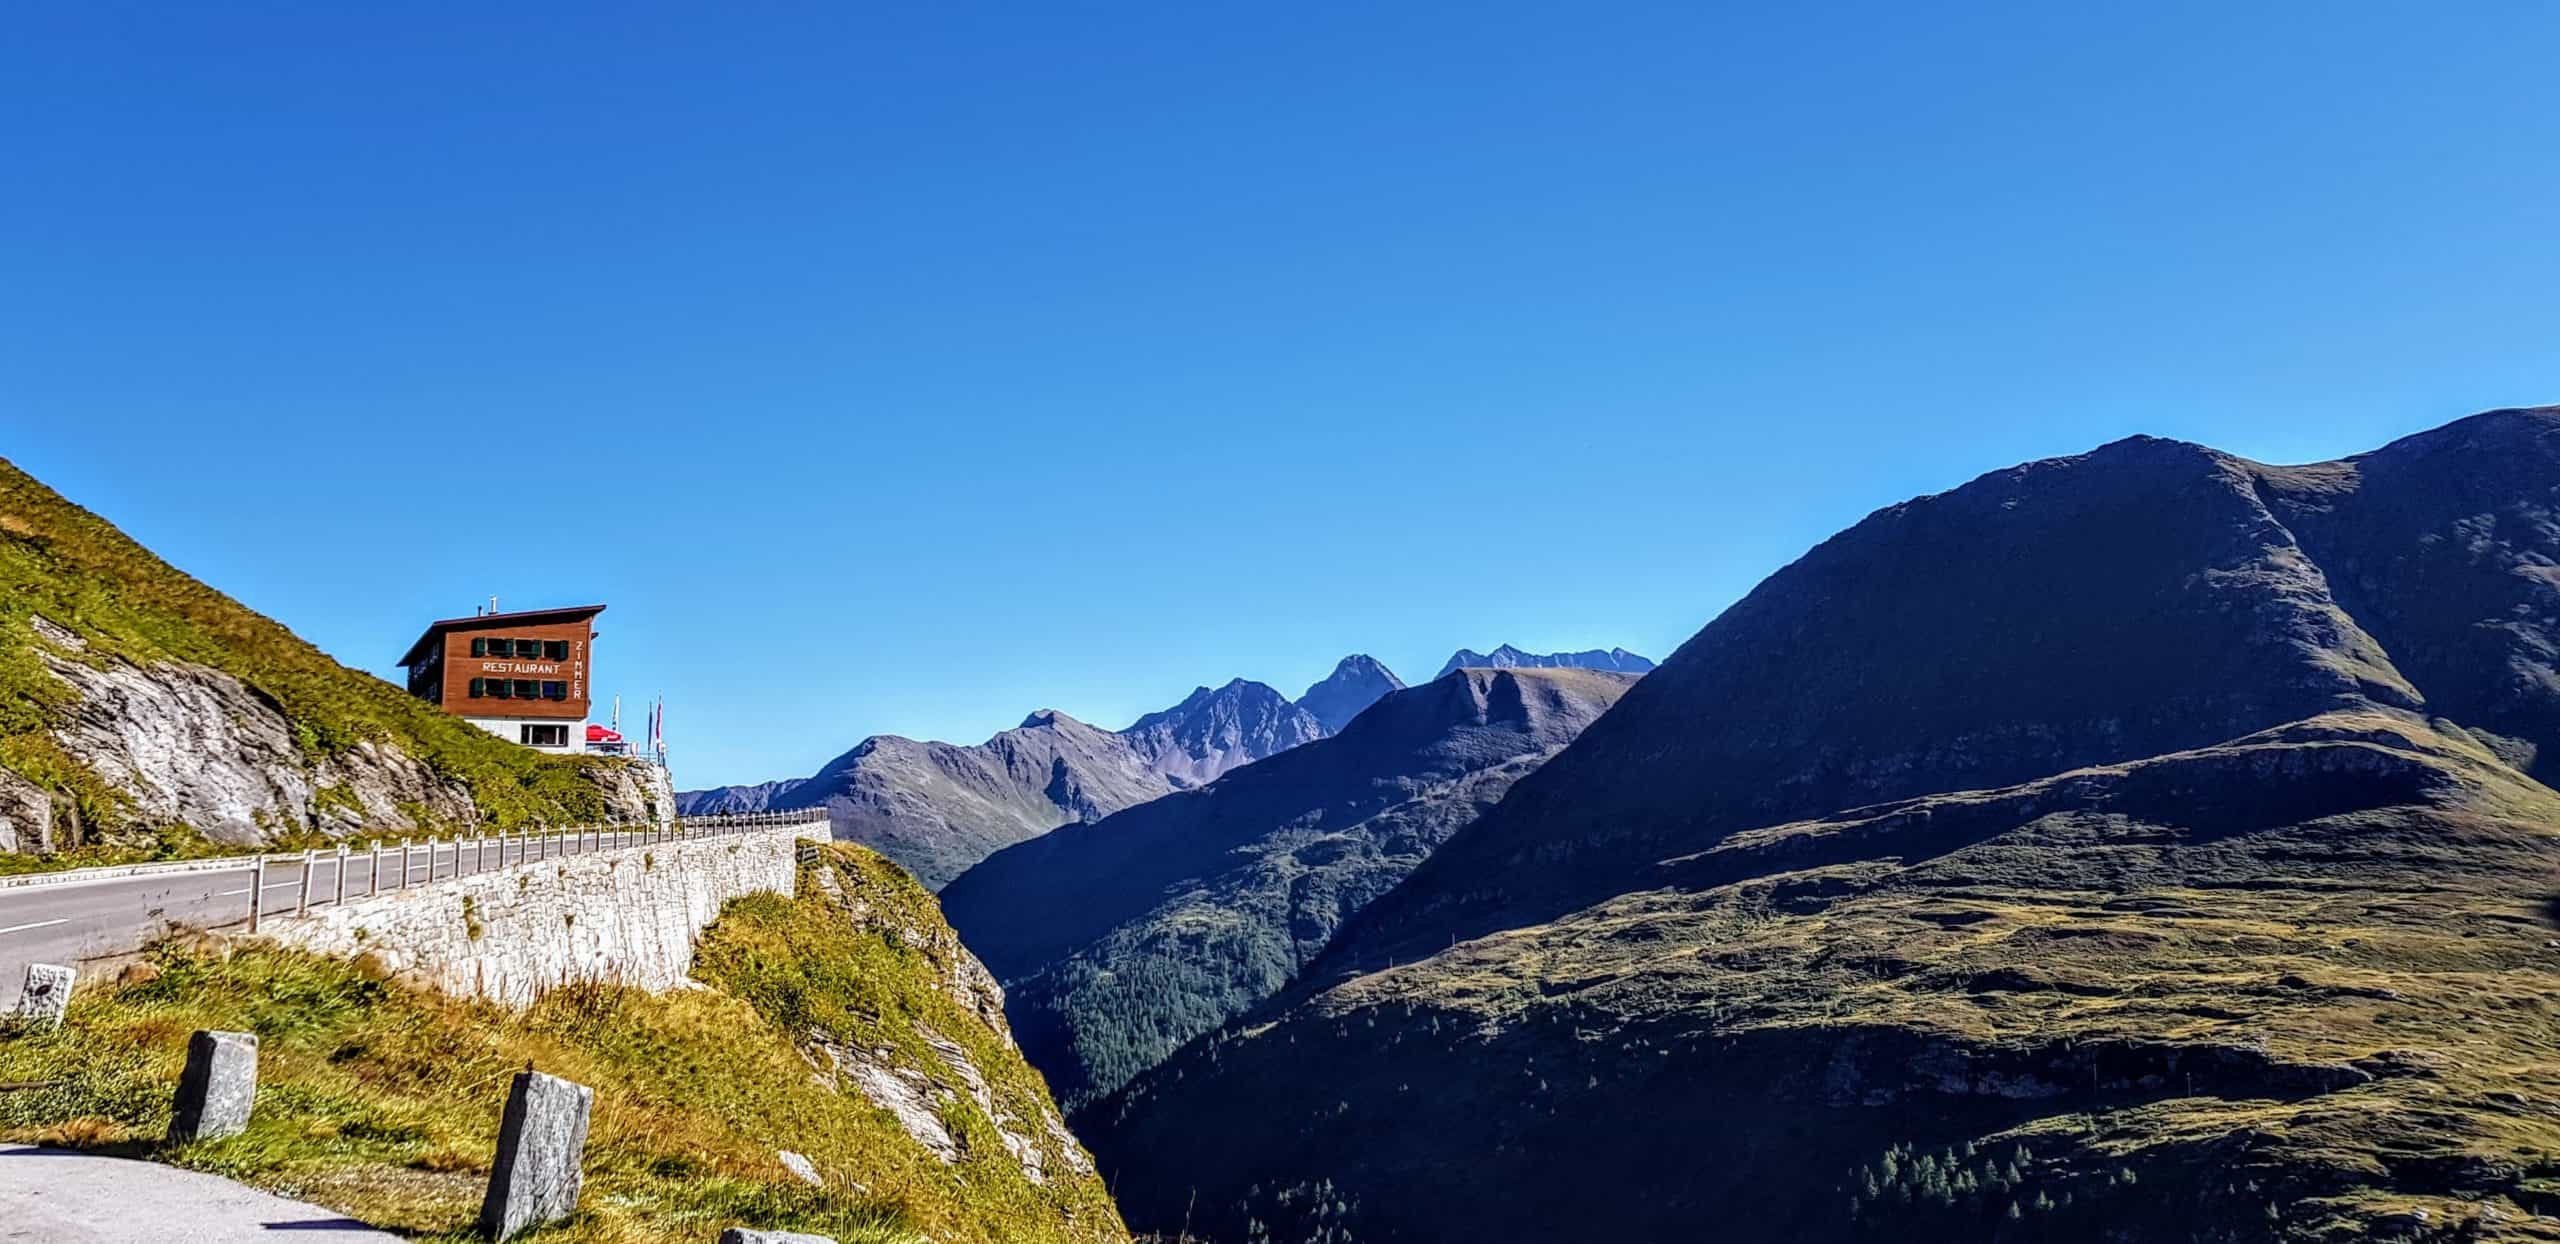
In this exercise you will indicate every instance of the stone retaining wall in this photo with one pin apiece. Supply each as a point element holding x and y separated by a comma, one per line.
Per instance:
<point>630,916</point>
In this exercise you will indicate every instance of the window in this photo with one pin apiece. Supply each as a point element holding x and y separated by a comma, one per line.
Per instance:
<point>498,688</point>
<point>527,689</point>
<point>555,650</point>
<point>479,687</point>
<point>545,736</point>
<point>555,691</point>
<point>480,646</point>
<point>528,649</point>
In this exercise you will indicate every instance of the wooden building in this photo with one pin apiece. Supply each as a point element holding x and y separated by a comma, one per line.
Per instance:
<point>524,676</point>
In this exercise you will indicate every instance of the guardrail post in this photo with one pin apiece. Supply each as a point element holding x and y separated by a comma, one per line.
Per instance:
<point>373,875</point>
<point>431,859</point>
<point>342,874</point>
<point>302,896</point>
<point>257,889</point>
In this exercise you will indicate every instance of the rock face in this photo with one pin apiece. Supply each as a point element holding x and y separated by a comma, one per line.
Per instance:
<point>1211,732</point>
<point>2145,845</point>
<point>135,701</point>
<point>1121,939</point>
<point>1355,684</point>
<point>937,808</point>
<point>1507,657</point>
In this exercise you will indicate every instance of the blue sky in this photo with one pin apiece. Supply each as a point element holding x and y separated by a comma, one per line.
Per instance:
<point>907,369</point>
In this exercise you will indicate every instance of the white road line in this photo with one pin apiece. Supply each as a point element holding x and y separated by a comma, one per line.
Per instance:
<point>40,924</point>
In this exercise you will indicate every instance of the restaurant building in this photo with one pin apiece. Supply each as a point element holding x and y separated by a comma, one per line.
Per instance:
<point>522,676</point>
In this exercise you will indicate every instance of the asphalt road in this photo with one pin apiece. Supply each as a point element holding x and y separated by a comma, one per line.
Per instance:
<point>53,1196</point>
<point>77,921</point>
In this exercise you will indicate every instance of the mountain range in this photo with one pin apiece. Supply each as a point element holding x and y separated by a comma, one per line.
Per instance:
<point>1507,657</point>
<point>937,808</point>
<point>1118,940</point>
<point>2148,844</point>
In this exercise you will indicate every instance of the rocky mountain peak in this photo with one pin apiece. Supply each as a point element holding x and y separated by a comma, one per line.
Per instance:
<point>1355,683</point>
<point>1211,732</point>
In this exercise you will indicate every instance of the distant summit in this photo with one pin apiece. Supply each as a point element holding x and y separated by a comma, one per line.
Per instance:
<point>1506,657</point>
<point>1211,732</point>
<point>1355,684</point>
<point>936,808</point>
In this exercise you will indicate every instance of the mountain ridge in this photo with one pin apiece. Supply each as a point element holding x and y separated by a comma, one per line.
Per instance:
<point>1508,657</point>
<point>2141,845</point>
<point>936,808</point>
<point>1119,939</point>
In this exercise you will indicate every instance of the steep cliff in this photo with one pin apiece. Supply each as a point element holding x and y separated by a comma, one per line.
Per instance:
<point>142,712</point>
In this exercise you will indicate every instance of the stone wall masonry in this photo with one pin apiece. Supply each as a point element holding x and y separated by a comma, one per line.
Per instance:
<point>629,916</point>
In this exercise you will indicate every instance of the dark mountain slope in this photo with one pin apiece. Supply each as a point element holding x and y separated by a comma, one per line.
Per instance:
<point>2059,858</point>
<point>2131,601</point>
<point>2442,545</point>
<point>1616,660</point>
<point>1119,940</point>
<point>1355,684</point>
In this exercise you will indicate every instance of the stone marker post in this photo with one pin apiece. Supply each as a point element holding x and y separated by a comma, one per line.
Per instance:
<point>257,889</point>
<point>541,1142</point>
<point>218,1088</point>
<point>47,996</point>
<point>741,1235</point>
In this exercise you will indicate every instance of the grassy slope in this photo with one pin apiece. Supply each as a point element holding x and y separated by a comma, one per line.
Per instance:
<point>77,571</point>
<point>383,1102</point>
<point>2301,1021</point>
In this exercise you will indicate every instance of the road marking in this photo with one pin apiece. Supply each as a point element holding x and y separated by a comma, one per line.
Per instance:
<point>40,924</point>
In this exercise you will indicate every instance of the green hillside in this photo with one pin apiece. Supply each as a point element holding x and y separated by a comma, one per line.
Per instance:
<point>76,571</point>
<point>383,1101</point>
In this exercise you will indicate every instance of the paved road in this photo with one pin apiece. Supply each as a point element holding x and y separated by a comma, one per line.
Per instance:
<point>53,1196</point>
<point>75,921</point>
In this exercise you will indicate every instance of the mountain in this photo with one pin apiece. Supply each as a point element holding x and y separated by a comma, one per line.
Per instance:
<point>145,714</point>
<point>1211,732</point>
<point>730,800</point>
<point>1118,940</point>
<point>1507,657</point>
<point>1355,683</point>
<point>2145,845</point>
<point>937,808</point>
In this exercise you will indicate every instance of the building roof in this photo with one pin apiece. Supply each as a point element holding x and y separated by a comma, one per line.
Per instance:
<point>570,613</point>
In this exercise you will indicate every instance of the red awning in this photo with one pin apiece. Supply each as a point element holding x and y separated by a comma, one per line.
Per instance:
<point>598,734</point>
